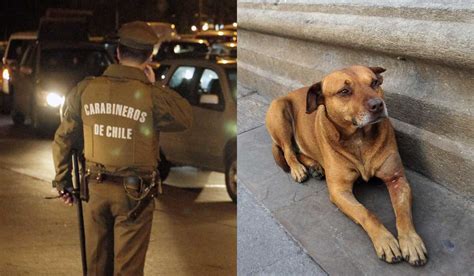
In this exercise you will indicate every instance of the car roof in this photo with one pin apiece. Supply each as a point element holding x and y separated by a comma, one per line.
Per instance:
<point>226,63</point>
<point>187,40</point>
<point>215,33</point>
<point>24,35</point>
<point>71,45</point>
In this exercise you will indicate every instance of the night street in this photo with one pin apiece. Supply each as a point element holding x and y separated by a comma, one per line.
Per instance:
<point>194,229</point>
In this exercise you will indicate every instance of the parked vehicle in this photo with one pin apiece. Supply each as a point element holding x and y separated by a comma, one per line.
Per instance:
<point>3,47</point>
<point>210,86</point>
<point>231,27</point>
<point>218,36</point>
<point>47,72</point>
<point>16,46</point>
<point>227,49</point>
<point>165,31</point>
<point>182,48</point>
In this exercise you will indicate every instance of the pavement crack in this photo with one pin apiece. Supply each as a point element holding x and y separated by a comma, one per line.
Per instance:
<point>250,129</point>
<point>253,92</point>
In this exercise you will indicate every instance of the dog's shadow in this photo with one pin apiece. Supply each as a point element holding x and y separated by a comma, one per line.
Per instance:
<point>375,197</point>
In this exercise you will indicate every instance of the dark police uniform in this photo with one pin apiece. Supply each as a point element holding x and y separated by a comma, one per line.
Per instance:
<point>116,119</point>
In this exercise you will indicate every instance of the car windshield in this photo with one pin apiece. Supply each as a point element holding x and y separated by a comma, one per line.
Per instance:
<point>232,78</point>
<point>91,62</point>
<point>16,48</point>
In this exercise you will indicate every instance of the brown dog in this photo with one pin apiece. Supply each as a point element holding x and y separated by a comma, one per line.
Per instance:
<point>346,138</point>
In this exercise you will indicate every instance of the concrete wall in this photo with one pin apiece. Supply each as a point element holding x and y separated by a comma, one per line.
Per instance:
<point>427,48</point>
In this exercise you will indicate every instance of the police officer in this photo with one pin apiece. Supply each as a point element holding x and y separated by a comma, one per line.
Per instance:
<point>116,119</point>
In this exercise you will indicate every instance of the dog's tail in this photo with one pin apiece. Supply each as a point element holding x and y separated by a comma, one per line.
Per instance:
<point>280,158</point>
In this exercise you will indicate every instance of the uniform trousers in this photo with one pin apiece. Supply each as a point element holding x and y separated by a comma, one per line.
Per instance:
<point>115,244</point>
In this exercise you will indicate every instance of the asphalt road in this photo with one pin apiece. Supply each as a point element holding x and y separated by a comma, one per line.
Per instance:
<point>194,228</point>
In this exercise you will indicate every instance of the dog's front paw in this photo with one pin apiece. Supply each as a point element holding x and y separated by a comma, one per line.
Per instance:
<point>413,249</point>
<point>386,246</point>
<point>299,173</point>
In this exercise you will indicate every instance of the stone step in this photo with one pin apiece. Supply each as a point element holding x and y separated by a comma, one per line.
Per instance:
<point>434,133</point>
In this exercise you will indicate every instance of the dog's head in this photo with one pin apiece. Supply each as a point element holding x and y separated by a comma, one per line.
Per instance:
<point>352,96</point>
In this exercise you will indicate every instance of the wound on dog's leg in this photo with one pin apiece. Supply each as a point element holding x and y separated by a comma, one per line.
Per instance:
<point>411,245</point>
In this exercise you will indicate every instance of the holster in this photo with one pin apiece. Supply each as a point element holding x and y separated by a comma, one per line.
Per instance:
<point>83,181</point>
<point>152,190</point>
<point>84,186</point>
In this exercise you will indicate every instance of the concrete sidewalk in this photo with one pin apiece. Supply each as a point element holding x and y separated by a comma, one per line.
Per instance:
<point>443,219</point>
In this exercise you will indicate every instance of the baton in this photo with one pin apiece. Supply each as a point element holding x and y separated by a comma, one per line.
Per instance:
<point>77,197</point>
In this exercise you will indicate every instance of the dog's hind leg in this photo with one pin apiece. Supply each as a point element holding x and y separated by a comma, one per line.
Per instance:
<point>279,123</point>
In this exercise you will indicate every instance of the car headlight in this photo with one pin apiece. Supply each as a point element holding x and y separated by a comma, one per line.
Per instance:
<point>49,98</point>
<point>53,99</point>
<point>6,74</point>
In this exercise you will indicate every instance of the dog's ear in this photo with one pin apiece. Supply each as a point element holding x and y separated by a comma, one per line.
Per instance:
<point>314,97</point>
<point>377,70</point>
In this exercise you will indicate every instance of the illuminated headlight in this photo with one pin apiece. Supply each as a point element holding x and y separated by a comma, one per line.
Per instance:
<point>53,99</point>
<point>6,74</point>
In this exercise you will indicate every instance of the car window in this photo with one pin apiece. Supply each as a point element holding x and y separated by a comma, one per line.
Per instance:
<point>26,56</point>
<point>182,82</point>
<point>209,83</point>
<point>31,59</point>
<point>87,62</point>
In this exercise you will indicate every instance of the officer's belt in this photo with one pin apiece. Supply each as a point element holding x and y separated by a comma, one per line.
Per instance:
<point>96,170</point>
<point>92,167</point>
<point>101,177</point>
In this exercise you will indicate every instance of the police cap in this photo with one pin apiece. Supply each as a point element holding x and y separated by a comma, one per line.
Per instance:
<point>138,35</point>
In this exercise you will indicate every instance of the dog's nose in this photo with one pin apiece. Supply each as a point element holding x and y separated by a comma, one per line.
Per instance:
<point>375,105</point>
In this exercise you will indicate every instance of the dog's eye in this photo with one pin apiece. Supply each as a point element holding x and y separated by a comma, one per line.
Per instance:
<point>344,92</point>
<point>374,84</point>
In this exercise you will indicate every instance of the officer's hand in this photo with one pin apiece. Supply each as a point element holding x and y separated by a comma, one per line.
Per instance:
<point>150,74</point>
<point>67,196</point>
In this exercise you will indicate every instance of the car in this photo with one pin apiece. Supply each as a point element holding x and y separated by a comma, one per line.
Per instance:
<point>210,87</point>
<point>164,30</point>
<point>16,46</point>
<point>217,36</point>
<point>231,27</point>
<point>48,70</point>
<point>182,48</point>
<point>226,49</point>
